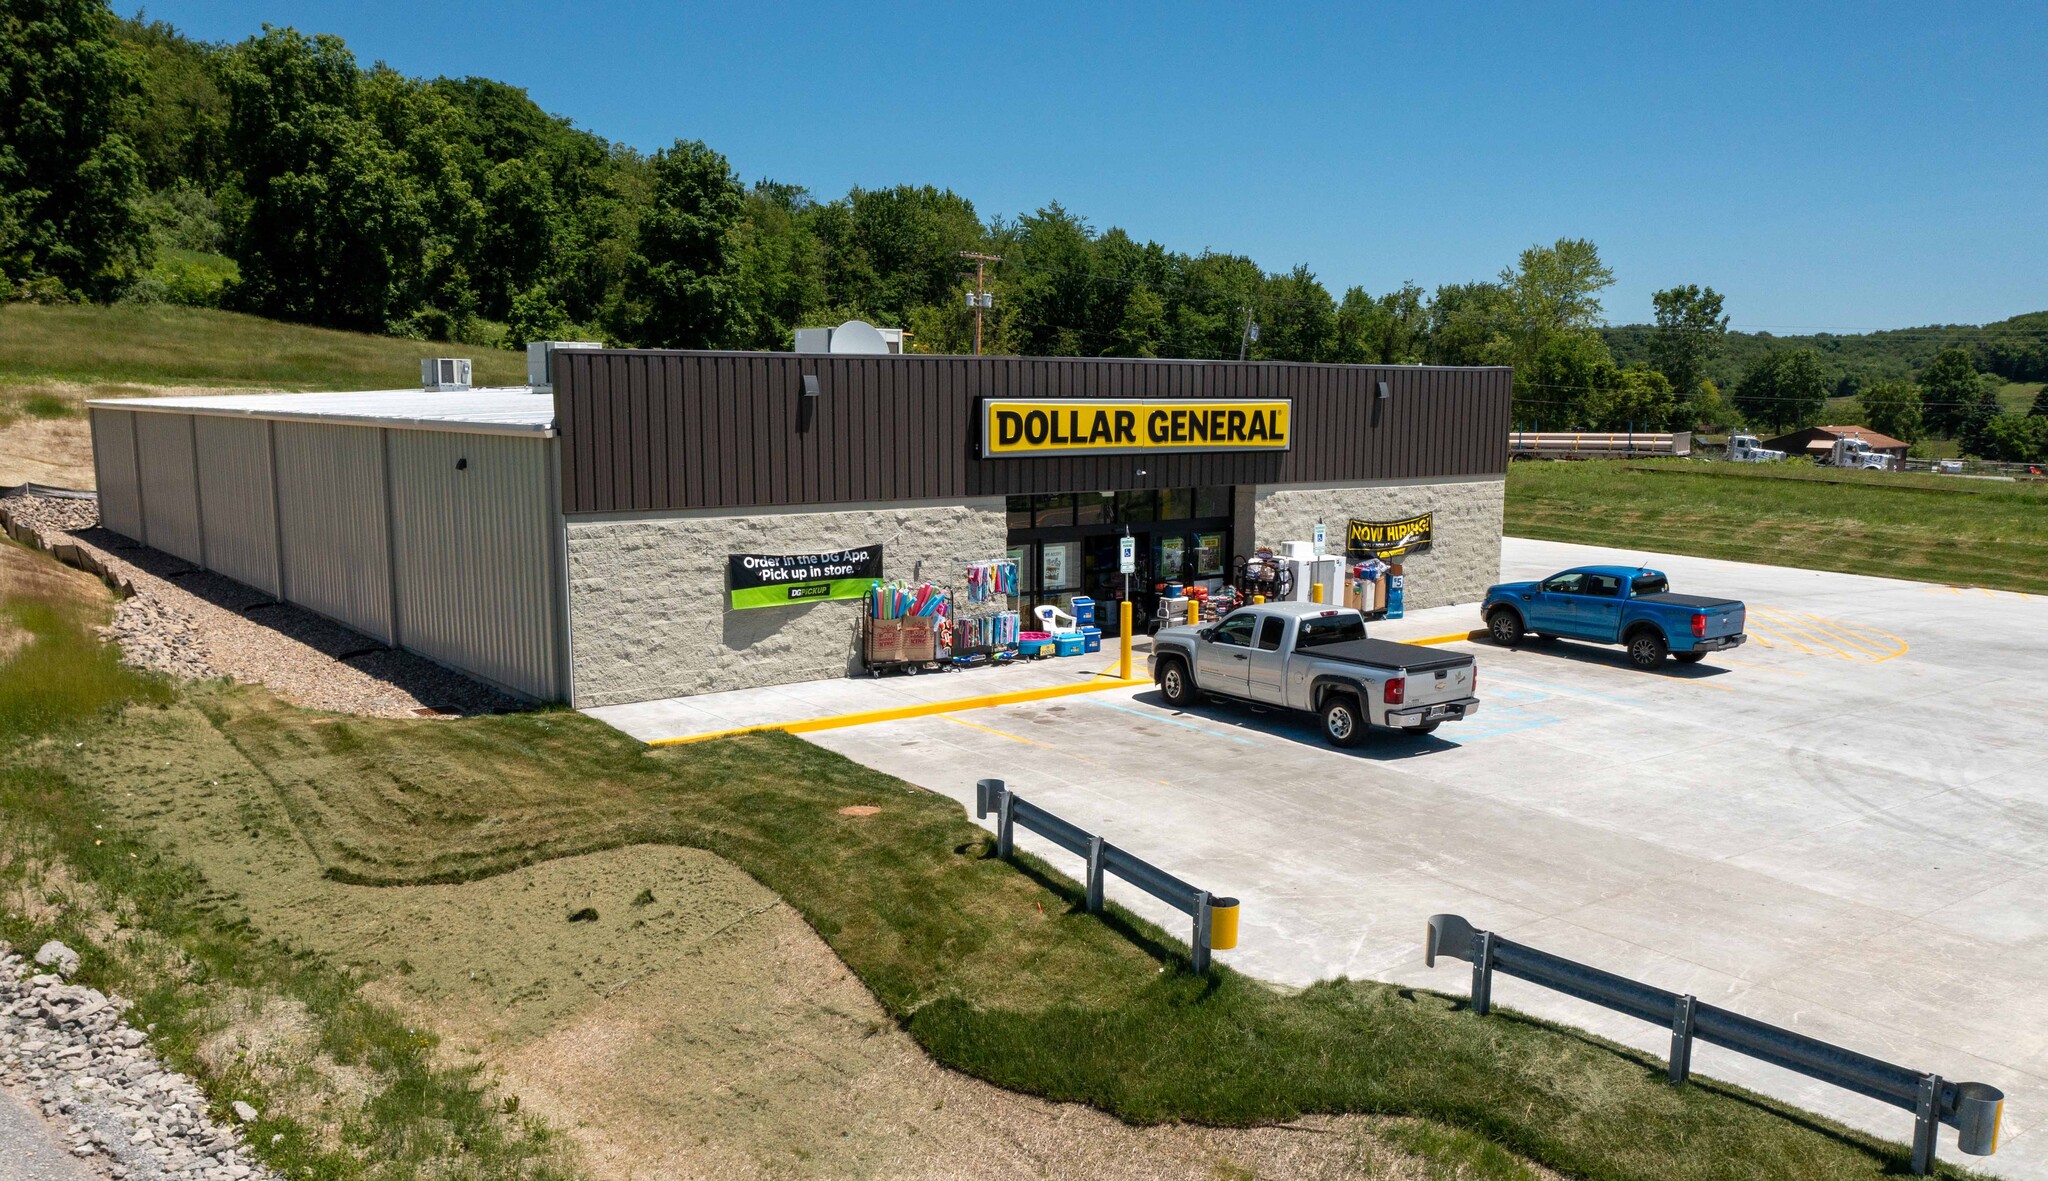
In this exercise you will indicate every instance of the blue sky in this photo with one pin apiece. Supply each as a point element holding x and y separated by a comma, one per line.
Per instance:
<point>1840,167</point>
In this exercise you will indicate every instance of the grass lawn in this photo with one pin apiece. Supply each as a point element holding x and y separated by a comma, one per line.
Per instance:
<point>996,970</point>
<point>163,345</point>
<point>1932,528</point>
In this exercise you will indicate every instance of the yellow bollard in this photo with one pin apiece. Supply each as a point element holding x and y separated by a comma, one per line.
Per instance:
<point>1194,613</point>
<point>1222,924</point>
<point>1315,592</point>
<point>1123,623</point>
<point>1258,598</point>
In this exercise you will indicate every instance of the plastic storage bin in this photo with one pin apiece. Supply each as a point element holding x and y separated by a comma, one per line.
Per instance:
<point>1091,639</point>
<point>1069,644</point>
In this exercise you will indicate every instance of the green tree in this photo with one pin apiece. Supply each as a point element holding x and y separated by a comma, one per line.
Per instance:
<point>68,177</point>
<point>179,122</point>
<point>1470,324</point>
<point>1949,389</point>
<point>2040,407</point>
<point>1690,328</point>
<point>1142,331</point>
<point>781,267</point>
<point>1297,318</point>
<point>2012,438</point>
<point>1892,407</point>
<point>1553,291</point>
<point>1636,398</point>
<point>1560,385</point>
<point>1392,329</point>
<point>323,219</point>
<point>683,285</point>
<point>1784,388</point>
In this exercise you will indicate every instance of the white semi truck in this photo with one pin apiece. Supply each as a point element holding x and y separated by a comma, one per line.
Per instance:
<point>1746,449</point>
<point>1856,453</point>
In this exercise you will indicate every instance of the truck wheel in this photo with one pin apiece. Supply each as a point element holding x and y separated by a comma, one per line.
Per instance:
<point>1504,624</point>
<point>1688,657</point>
<point>1647,649</point>
<point>1175,685</point>
<point>1343,721</point>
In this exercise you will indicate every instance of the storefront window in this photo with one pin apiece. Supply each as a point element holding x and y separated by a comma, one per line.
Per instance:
<point>1019,515</point>
<point>1059,566</point>
<point>1176,504</point>
<point>1212,502</point>
<point>1026,572</point>
<point>1094,508</point>
<point>1137,508</point>
<point>1052,511</point>
<point>1171,552</point>
<point>1209,555</point>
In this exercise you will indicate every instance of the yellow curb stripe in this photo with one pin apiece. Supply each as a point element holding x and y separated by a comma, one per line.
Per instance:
<point>923,710</point>
<point>1477,633</point>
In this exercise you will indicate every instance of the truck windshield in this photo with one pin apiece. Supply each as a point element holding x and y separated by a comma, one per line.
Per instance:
<point>1648,584</point>
<point>1330,629</point>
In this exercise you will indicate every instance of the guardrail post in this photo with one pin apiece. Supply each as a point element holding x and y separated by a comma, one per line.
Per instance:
<point>1681,1039</point>
<point>1095,875</point>
<point>1482,973</point>
<point>986,794</point>
<point>1005,825</point>
<point>1201,943</point>
<point>1926,1125</point>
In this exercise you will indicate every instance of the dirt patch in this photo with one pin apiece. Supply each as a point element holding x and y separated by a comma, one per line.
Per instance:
<point>859,810</point>
<point>26,574</point>
<point>697,1028</point>
<point>58,450</point>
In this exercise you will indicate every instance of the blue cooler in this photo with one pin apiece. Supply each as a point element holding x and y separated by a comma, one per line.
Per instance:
<point>1069,644</point>
<point>1091,639</point>
<point>1082,608</point>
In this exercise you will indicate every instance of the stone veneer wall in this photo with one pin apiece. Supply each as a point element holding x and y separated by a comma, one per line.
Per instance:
<point>647,596</point>
<point>1463,560</point>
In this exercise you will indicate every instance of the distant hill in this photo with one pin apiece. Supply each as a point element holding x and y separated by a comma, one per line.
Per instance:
<point>2015,349</point>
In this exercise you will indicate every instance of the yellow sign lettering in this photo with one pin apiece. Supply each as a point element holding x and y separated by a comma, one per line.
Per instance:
<point>1017,428</point>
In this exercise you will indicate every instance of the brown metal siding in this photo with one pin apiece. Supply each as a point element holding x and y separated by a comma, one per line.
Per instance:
<point>644,431</point>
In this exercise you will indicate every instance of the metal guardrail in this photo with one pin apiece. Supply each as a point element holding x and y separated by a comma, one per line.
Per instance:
<point>1973,1109</point>
<point>1206,909</point>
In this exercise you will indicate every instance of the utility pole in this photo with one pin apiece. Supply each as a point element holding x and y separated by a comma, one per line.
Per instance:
<point>981,299</point>
<point>1251,333</point>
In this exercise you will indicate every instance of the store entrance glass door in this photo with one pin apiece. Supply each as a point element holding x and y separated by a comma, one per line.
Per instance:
<point>1066,544</point>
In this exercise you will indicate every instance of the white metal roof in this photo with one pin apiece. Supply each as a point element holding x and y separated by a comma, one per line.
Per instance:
<point>508,410</point>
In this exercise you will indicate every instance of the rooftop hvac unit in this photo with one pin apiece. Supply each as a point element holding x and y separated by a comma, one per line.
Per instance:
<point>442,374</point>
<point>855,337</point>
<point>540,359</point>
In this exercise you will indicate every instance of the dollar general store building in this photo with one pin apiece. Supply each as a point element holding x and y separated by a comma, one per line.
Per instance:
<point>581,539</point>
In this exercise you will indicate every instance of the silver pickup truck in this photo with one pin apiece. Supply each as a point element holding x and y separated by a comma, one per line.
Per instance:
<point>1311,657</point>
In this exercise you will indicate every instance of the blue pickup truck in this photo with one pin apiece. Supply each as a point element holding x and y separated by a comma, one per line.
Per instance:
<point>1632,607</point>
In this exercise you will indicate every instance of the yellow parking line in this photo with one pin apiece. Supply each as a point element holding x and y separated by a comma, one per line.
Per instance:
<point>1771,638</point>
<point>990,730</point>
<point>1860,638</point>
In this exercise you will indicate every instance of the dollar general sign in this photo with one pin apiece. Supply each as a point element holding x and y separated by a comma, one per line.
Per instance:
<point>1111,426</point>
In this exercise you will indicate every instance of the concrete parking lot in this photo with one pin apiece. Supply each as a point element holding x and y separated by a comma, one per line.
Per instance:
<point>1841,827</point>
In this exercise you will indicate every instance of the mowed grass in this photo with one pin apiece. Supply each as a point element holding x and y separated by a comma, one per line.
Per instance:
<point>996,969</point>
<point>1942,529</point>
<point>150,928</point>
<point>163,345</point>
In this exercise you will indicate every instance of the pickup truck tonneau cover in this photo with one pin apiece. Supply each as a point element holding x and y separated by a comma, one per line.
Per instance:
<point>1696,602</point>
<point>1387,654</point>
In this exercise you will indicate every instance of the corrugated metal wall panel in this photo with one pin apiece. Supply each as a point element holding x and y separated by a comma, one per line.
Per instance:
<point>170,485</point>
<point>648,430</point>
<point>330,500</point>
<point>473,550</point>
<point>113,462</point>
<point>235,499</point>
